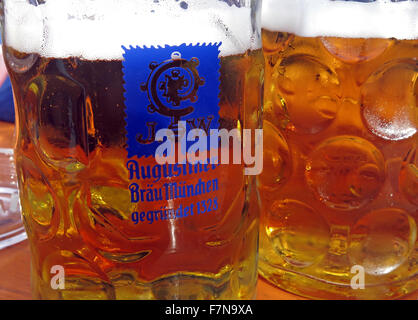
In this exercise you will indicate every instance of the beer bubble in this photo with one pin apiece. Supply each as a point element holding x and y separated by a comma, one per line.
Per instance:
<point>109,219</point>
<point>408,178</point>
<point>355,50</point>
<point>97,30</point>
<point>345,172</point>
<point>310,90</point>
<point>277,163</point>
<point>274,42</point>
<point>388,103</point>
<point>37,200</point>
<point>130,257</point>
<point>19,62</point>
<point>382,240</point>
<point>56,140</point>
<point>297,232</point>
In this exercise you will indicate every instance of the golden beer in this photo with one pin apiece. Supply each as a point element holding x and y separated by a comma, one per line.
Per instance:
<point>339,188</point>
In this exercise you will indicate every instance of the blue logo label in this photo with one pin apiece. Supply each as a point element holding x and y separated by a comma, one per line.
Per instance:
<point>165,85</point>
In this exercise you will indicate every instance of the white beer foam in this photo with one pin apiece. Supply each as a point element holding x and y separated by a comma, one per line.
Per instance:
<point>312,18</point>
<point>97,29</point>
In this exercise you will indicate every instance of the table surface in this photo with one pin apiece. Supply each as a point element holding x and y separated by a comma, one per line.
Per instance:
<point>15,260</point>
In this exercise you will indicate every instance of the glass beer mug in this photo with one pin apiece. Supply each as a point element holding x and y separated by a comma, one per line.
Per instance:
<point>95,82</point>
<point>339,187</point>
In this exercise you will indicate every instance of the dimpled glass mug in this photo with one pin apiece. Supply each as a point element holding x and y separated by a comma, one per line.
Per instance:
<point>339,189</point>
<point>93,82</point>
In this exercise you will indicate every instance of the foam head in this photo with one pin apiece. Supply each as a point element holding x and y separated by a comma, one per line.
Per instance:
<point>97,29</point>
<point>350,19</point>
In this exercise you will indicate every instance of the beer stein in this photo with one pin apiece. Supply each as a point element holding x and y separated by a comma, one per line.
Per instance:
<point>338,191</point>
